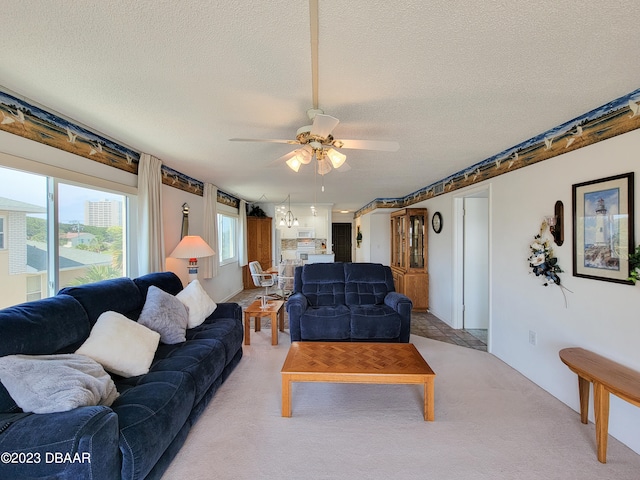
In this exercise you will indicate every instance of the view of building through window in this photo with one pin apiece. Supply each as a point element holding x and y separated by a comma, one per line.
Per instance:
<point>89,234</point>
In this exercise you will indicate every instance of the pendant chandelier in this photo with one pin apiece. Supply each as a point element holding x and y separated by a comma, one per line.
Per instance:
<point>288,219</point>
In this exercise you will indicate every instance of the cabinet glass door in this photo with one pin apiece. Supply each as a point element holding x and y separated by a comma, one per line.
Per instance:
<point>401,238</point>
<point>416,241</point>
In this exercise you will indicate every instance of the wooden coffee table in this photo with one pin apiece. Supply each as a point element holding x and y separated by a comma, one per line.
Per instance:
<point>355,362</point>
<point>273,309</point>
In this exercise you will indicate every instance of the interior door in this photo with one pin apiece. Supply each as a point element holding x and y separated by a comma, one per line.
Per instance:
<point>341,236</point>
<point>476,263</point>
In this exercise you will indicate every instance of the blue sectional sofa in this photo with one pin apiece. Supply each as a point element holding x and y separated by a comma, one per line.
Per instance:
<point>140,433</point>
<point>347,302</point>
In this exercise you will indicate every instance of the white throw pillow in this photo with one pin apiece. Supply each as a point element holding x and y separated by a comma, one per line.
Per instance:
<point>198,303</point>
<point>120,345</point>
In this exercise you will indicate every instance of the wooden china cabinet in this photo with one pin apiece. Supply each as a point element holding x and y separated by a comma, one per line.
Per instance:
<point>258,246</point>
<point>409,255</point>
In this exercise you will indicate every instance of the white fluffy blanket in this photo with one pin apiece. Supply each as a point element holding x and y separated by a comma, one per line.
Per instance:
<point>56,383</point>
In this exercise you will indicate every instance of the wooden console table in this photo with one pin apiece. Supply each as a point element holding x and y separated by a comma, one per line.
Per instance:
<point>607,377</point>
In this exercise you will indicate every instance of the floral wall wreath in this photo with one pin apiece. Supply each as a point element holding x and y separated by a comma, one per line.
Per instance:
<point>542,261</point>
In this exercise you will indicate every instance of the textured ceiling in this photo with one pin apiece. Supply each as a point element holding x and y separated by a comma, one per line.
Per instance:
<point>452,81</point>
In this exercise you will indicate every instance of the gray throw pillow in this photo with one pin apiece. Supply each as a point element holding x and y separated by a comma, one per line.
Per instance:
<point>165,314</point>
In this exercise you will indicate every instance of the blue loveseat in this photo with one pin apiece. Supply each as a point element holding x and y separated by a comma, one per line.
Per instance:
<point>347,302</point>
<point>140,433</point>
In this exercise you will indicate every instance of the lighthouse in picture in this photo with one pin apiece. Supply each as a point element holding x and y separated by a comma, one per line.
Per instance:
<point>602,224</point>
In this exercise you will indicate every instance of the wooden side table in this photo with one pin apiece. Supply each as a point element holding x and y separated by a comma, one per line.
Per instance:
<point>273,309</point>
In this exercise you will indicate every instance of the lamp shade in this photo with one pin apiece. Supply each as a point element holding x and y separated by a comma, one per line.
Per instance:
<point>323,166</point>
<point>294,164</point>
<point>305,154</point>
<point>337,158</point>
<point>192,246</point>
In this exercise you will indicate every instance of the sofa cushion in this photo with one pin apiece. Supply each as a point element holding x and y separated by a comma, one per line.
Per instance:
<point>367,283</point>
<point>120,345</point>
<point>118,294</point>
<point>227,330</point>
<point>323,284</point>
<point>150,414</point>
<point>203,359</point>
<point>331,322</point>
<point>51,325</point>
<point>166,281</point>
<point>198,302</point>
<point>91,433</point>
<point>165,314</point>
<point>374,322</point>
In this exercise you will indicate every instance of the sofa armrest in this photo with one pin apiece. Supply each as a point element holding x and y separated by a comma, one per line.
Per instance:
<point>398,302</point>
<point>403,305</point>
<point>80,443</point>
<point>296,306</point>
<point>226,310</point>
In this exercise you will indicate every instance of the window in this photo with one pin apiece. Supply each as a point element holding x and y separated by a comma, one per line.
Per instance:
<point>3,222</point>
<point>90,233</point>
<point>227,239</point>
<point>34,288</point>
<point>57,234</point>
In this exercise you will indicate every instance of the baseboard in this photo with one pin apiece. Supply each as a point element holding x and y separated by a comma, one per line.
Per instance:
<point>226,299</point>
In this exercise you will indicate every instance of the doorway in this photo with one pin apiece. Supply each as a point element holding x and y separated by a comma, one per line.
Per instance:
<point>341,237</point>
<point>472,275</point>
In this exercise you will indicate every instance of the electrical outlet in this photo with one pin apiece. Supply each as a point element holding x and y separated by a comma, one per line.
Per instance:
<point>533,337</point>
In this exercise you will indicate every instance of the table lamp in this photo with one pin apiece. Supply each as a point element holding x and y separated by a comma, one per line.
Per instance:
<point>192,247</point>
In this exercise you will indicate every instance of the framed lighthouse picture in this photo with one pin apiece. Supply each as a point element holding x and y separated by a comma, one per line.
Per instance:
<point>603,228</point>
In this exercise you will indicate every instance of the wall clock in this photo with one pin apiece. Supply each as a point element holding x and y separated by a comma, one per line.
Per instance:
<point>436,222</point>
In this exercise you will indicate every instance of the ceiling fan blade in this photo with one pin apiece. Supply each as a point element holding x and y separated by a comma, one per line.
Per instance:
<point>345,167</point>
<point>268,140</point>
<point>323,125</point>
<point>384,146</point>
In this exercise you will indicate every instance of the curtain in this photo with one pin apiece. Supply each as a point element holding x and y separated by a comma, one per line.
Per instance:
<point>210,230</point>
<point>151,254</point>
<point>242,237</point>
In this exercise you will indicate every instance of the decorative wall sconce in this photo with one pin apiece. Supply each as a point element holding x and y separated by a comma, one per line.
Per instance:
<point>556,223</point>
<point>185,221</point>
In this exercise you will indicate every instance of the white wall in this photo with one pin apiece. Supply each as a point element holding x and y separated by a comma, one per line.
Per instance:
<point>376,237</point>
<point>363,253</point>
<point>380,242</point>
<point>600,316</point>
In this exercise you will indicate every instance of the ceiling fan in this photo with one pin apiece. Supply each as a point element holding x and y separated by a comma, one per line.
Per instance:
<point>316,139</point>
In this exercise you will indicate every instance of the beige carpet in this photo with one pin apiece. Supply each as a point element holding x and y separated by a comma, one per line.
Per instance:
<point>491,423</point>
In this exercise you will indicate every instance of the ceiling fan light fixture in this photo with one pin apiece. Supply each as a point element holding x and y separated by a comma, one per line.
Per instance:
<point>337,158</point>
<point>305,154</point>
<point>294,163</point>
<point>323,166</point>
